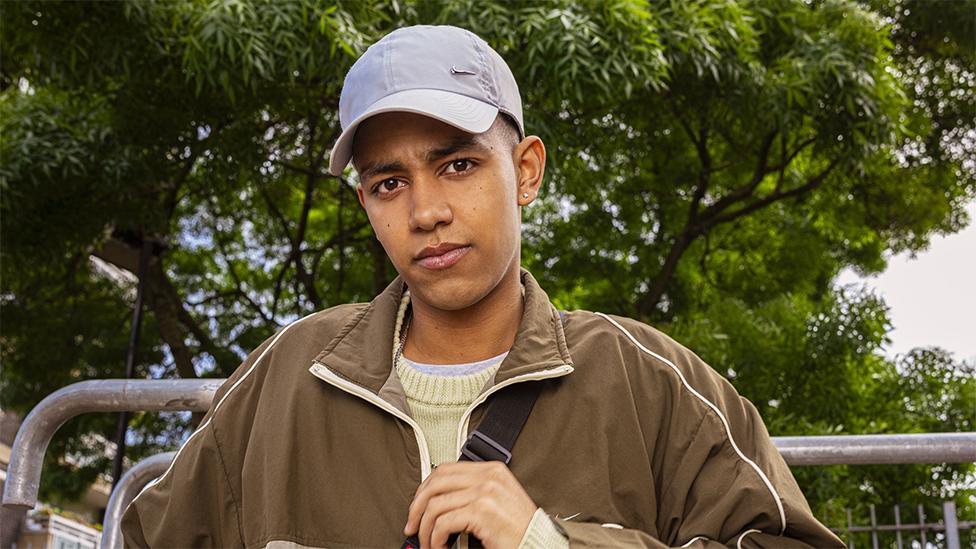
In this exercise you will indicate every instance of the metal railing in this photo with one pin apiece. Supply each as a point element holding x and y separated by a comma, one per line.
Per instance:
<point>112,395</point>
<point>915,532</point>
<point>103,395</point>
<point>128,487</point>
<point>878,449</point>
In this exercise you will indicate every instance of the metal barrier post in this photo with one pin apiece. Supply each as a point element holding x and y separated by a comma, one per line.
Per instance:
<point>126,490</point>
<point>107,395</point>
<point>921,524</point>
<point>951,524</point>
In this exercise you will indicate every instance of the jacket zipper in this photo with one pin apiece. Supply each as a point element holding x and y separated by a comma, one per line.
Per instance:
<point>463,425</point>
<point>323,372</point>
<point>533,376</point>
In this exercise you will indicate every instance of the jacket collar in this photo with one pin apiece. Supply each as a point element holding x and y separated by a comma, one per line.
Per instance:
<point>362,350</point>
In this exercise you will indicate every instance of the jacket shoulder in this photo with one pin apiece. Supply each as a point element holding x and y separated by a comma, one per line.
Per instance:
<point>292,348</point>
<point>637,344</point>
<point>657,368</point>
<point>324,324</point>
<point>705,415</point>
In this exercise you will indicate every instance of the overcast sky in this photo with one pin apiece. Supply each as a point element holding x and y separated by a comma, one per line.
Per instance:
<point>933,296</point>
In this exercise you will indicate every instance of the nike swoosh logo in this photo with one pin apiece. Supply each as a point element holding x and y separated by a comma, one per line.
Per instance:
<point>455,70</point>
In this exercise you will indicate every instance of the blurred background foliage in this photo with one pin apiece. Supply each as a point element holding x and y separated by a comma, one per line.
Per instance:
<point>713,165</point>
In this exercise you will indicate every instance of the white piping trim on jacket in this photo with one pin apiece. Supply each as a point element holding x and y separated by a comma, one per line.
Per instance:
<point>215,408</point>
<point>533,376</point>
<point>725,421</point>
<point>694,539</point>
<point>738,542</point>
<point>322,372</point>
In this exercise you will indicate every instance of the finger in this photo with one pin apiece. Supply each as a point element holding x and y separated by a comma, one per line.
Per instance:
<point>452,480</point>
<point>444,468</point>
<point>456,521</point>
<point>456,477</point>
<point>451,475</point>
<point>450,469</point>
<point>441,505</point>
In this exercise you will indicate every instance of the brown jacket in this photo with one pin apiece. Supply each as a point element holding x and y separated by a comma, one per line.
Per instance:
<point>634,441</point>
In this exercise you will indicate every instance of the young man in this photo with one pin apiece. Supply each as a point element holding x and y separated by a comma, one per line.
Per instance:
<point>328,435</point>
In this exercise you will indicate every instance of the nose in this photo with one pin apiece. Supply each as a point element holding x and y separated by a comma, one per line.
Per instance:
<point>429,207</point>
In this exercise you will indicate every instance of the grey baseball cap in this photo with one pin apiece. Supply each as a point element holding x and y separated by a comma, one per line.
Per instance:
<point>444,72</point>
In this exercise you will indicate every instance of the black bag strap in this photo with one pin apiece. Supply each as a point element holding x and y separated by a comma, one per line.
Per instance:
<point>495,436</point>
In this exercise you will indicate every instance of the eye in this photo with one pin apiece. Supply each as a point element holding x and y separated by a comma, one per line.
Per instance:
<point>386,186</point>
<point>460,165</point>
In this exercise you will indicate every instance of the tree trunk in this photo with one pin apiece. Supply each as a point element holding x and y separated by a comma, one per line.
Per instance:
<point>649,303</point>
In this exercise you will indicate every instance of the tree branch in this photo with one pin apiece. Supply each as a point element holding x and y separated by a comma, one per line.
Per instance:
<point>167,313</point>
<point>240,286</point>
<point>659,284</point>
<point>173,320</point>
<point>276,213</point>
<point>168,302</point>
<point>296,246</point>
<point>647,304</point>
<point>341,243</point>
<point>123,256</point>
<point>810,185</point>
<point>701,145</point>
<point>213,297</point>
<point>172,197</point>
<point>746,190</point>
<point>789,159</point>
<point>319,251</point>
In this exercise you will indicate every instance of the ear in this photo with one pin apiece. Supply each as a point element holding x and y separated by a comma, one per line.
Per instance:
<point>529,158</point>
<point>359,193</point>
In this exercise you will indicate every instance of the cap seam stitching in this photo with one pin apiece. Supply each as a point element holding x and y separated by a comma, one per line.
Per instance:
<point>390,74</point>
<point>482,74</point>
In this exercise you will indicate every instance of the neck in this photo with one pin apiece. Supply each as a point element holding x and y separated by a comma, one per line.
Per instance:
<point>481,331</point>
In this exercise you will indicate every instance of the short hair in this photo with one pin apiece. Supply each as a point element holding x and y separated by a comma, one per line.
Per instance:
<point>511,134</point>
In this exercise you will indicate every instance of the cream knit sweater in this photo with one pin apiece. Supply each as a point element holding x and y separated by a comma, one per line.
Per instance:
<point>438,395</point>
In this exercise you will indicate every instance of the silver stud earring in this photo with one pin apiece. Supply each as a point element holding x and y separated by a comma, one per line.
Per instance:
<point>525,195</point>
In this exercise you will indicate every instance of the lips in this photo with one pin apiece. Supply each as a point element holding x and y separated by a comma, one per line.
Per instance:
<point>441,256</point>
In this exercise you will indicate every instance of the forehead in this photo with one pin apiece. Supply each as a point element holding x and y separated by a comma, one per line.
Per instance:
<point>403,137</point>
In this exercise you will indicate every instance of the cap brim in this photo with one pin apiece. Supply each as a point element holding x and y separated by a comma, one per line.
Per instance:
<point>460,111</point>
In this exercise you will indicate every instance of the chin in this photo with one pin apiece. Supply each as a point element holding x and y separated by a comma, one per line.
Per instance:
<point>450,293</point>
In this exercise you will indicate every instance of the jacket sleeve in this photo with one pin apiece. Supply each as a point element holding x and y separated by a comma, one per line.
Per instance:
<point>728,484</point>
<point>724,483</point>
<point>722,495</point>
<point>190,506</point>
<point>195,502</point>
<point>582,534</point>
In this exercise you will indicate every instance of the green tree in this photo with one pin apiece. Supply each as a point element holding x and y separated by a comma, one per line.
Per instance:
<point>714,165</point>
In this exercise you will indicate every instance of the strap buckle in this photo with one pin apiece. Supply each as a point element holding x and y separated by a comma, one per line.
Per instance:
<point>481,447</point>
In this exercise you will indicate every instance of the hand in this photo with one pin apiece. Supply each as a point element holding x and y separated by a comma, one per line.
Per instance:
<point>481,498</point>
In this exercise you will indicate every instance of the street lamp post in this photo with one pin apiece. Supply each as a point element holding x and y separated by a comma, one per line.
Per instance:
<point>130,356</point>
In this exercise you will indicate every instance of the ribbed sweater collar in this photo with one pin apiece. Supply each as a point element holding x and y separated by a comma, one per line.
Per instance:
<point>444,390</point>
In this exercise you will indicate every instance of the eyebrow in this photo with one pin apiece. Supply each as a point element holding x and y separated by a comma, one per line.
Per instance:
<point>455,145</point>
<point>460,143</point>
<point>373,168</point>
